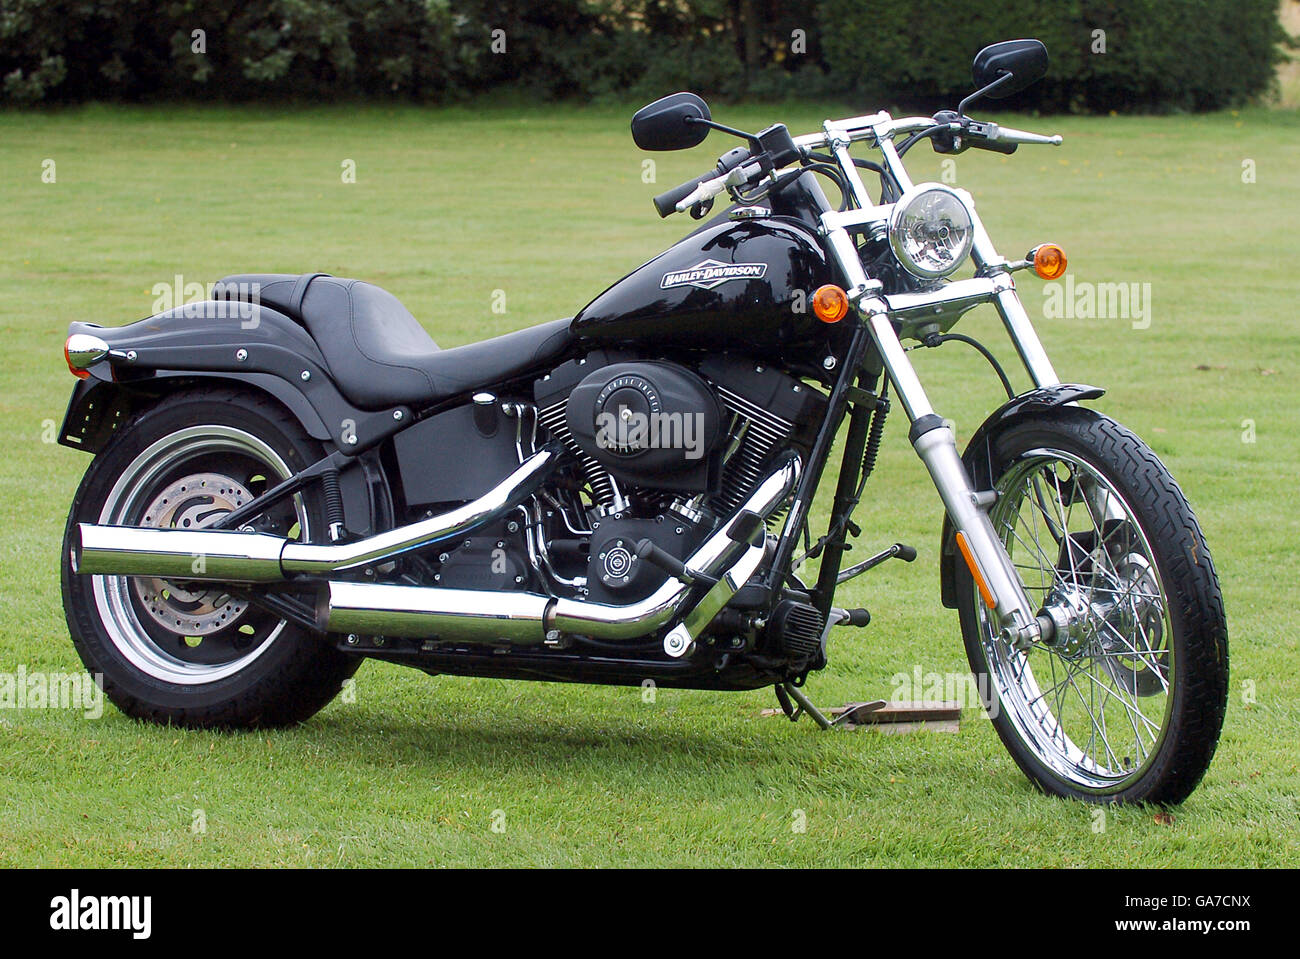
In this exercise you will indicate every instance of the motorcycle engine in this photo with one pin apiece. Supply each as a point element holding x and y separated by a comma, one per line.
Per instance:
<point>650,424</point>
<point>665,451</point>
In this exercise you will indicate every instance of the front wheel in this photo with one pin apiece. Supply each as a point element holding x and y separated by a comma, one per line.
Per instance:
<point>1126,704</point>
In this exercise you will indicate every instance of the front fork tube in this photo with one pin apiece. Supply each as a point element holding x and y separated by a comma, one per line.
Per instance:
<point>991,566</point>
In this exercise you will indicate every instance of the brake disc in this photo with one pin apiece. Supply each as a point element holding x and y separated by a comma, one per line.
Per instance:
<point>191,609</point>
<point>1143,668</point>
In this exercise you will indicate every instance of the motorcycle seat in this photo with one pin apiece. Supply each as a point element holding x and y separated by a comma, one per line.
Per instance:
<point>379,354</point>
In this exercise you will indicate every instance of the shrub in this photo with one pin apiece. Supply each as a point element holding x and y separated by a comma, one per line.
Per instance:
<point>1158,54</point>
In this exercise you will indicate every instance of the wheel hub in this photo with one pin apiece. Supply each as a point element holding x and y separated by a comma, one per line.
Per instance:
<point>191,609</point>
<point>1070,609</point>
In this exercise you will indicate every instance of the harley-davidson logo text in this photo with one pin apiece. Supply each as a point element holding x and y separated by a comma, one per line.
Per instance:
<point>710,273</point>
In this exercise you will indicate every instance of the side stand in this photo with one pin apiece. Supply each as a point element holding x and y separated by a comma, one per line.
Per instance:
<point>787,691</point>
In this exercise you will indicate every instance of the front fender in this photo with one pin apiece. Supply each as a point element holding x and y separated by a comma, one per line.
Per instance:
<point>1008,414</point>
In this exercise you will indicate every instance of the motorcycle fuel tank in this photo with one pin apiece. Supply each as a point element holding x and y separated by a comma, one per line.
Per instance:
<point>746,283</point>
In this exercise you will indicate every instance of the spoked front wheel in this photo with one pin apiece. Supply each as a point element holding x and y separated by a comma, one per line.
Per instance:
<point>1126,701</point>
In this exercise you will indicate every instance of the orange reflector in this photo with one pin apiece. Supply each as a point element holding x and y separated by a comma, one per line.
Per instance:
<point>79,374</point>
<point>967,555</point>
<point>1049,261</point>
<point>830,303</point>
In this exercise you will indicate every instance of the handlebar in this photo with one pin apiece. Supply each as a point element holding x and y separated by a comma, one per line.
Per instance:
<point>878,126</point>
<point>739,166</point>
<point>707,185</point>
<point>666,202</point>
<point>994,146</point>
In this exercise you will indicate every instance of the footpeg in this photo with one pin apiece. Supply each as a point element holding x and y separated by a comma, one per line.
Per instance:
<point>858,617</point>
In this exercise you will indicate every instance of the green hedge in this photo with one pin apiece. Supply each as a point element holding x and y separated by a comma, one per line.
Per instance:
<point>1158,54</point>
<point>1182,54</point>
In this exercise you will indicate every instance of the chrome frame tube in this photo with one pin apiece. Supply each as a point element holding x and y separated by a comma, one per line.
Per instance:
<point>679,639</point>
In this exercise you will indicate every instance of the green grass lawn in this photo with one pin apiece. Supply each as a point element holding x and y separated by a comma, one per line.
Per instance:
<point>548,205</point>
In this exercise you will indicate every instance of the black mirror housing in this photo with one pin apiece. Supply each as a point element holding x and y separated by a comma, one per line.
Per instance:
<point>666,123</point>
<point>1024,60</point>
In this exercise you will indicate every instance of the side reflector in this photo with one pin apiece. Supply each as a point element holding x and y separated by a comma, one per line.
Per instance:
<point>830,303</point>
<point>1049,261</point>
<point>967,555</point>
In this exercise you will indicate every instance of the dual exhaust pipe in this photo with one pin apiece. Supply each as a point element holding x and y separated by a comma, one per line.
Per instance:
<point>458,615</point>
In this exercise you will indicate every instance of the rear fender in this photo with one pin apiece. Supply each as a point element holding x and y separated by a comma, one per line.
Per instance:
<point>218,340</point>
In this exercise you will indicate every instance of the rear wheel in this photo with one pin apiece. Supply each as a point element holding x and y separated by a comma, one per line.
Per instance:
<point>194,653</point>
<point>1127,703</point>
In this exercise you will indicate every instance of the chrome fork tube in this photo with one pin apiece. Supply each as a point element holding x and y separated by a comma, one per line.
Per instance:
<point>933,441</point>
<point>1007,301</point>
<point>937,447</point>
<point>1024,336</point>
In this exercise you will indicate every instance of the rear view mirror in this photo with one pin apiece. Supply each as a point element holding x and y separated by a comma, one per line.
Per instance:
<point>1024,60</point>
<point>667,124</point>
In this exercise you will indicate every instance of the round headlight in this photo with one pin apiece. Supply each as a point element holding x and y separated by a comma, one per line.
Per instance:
<point>930,231</point>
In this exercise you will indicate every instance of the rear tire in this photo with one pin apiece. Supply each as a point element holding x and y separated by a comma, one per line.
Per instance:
<point>1130,707</point>
<point>185,462</point>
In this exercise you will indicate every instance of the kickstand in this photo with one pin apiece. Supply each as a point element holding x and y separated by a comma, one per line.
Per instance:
<point>786,691</point>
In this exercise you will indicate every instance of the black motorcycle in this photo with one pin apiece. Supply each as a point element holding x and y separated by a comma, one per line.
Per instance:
<point>290,477</point>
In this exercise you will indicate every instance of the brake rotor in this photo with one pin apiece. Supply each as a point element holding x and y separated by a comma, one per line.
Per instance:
<point>190,609</point>
<point>1142,668</point>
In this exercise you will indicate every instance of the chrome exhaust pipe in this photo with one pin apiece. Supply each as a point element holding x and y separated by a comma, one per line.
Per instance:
<point>235,557</point>
<point>469,615</point>
<point>527,618</point>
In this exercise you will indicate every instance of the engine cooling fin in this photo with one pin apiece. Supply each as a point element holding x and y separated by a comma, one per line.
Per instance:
<point>552,419</point>
<point>761,434</point>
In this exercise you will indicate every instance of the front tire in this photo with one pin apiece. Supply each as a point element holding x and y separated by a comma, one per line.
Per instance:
<point>192,654</point>
<point>1128,704</point>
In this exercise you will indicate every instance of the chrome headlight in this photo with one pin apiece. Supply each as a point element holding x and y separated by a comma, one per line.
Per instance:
<point>930,231</point>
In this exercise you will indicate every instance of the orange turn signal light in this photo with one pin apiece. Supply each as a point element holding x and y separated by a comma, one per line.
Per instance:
<point>830,303</point>
<point>1049,261</point>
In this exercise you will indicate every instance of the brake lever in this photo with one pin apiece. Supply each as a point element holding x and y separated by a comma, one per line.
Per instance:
<point>1008,135</point>
<point>965,133</point>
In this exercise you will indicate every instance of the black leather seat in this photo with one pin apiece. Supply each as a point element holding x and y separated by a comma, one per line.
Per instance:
<point>378,352</point>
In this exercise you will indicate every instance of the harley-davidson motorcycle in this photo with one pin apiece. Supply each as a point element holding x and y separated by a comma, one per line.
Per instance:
<point>290,476</point>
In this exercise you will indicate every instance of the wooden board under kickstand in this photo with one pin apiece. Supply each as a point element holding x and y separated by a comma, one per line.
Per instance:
<point>893,717</point>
